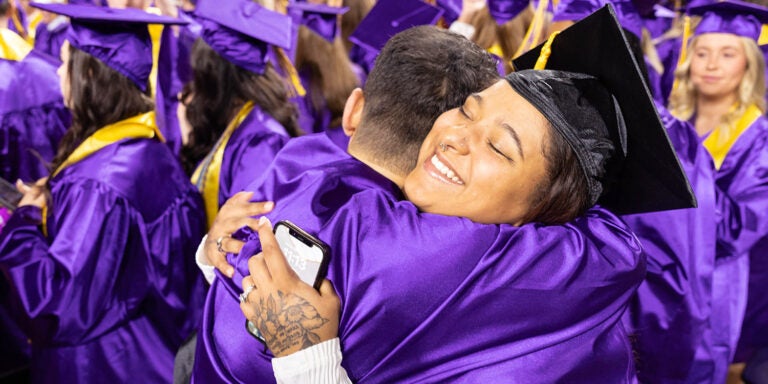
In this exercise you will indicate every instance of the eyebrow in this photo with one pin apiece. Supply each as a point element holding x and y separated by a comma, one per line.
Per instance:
<point>515,137</point>
<point>478,99</point>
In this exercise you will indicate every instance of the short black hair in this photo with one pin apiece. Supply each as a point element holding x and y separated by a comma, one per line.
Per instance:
<point>421,73</point>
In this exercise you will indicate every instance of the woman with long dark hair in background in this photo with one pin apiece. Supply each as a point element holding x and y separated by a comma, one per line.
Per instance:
<point>97,255</point>
<point>237,103</point>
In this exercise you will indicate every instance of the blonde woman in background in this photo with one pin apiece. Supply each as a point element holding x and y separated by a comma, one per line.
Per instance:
<point>720,90</point>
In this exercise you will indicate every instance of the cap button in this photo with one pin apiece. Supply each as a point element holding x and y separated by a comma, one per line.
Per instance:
<point>248,8</point>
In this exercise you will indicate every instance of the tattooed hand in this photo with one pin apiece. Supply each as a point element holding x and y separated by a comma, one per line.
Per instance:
<point>290,314</point>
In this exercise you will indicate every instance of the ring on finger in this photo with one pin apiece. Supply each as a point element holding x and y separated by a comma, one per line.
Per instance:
<point>244,295</point>
<point>218,243</point>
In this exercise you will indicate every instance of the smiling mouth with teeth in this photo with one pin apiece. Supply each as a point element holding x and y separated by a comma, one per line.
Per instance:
<point>447,172</point>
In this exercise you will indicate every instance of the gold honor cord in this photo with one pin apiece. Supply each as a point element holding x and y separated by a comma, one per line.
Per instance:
<point>206,176</point>
<point>718,146</point>
<point>137,127</point>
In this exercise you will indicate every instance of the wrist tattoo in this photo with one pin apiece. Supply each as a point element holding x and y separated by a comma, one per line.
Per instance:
<point>287,321</point>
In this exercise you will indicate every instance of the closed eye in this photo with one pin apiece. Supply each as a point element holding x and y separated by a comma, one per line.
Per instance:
<point>499,152</point>
<point>464,113</point>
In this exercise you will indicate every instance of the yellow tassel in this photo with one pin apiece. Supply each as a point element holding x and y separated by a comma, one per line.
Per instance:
<point>763,39</point>
<point>684,48</point>
<point>546,50</point>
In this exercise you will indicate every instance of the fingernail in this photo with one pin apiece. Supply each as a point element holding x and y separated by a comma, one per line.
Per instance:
<point>269,205</point>
<point>264,221</point>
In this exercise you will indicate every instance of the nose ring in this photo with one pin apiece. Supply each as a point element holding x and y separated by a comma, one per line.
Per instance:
<point>442,147</point>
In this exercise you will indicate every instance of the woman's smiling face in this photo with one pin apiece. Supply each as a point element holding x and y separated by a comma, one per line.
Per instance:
<point>484,160</point>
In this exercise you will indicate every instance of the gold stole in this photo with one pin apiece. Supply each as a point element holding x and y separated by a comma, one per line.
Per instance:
<point>718,147</point>
<point>155,33</point>
<point>141,126</point>
<point>206,176</point>
<point>12,46</point>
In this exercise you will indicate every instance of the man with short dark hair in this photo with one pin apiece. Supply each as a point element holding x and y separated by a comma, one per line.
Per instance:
<point>419,74</point>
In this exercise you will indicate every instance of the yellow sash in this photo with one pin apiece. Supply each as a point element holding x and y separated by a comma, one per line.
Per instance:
<point>141,126</point>
<point>12,46</point>
<point>206,176</point>
<point>718,147</point>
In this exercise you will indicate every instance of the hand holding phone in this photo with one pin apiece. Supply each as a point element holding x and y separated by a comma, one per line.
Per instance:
<point>278,298</point>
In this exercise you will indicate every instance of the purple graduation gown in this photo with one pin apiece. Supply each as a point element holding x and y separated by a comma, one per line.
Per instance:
<point>597,258</point>
<point>49,39</point>
<point>33,117</point>
<point>743,231</point>
<point>669,317</point>
<point>112,291</point>
<point>310,198</point>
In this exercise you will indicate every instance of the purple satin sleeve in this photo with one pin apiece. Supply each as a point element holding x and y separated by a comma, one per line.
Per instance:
<point>742,198</point>
<point>669,318</point>
<point>94,228</point>
<point>743,229</point>
<point>308,198</point>
<point>434,298</point>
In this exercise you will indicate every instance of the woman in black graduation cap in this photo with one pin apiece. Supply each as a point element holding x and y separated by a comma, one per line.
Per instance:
<point>536,149</point>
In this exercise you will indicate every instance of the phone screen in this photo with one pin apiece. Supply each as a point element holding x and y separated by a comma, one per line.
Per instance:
<point>9,195</point>
<point>304,256</point>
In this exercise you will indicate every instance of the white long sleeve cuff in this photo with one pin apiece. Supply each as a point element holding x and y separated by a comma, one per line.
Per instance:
<point>203,263</point>
<point>320,363</point>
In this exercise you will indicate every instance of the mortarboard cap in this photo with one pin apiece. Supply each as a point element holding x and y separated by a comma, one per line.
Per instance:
<point>731,16</point>
<point>505,10</point>
<point>643,173</point>
<point>117,37</point>
<point>576,10</point>
<point>388,17</point>
<point>319,18</point>
<point>241,31</point>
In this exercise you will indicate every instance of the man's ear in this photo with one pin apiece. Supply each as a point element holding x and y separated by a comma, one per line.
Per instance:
<point>353,112</point>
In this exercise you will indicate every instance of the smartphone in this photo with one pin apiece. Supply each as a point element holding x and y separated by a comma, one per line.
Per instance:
<point>9,195</point>
<point>307,255</point>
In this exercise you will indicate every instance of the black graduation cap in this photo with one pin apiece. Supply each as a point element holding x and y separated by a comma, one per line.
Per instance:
<point>643,173</point>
